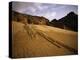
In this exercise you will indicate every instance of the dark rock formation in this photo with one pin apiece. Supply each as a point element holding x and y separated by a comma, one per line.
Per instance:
<point>69,22</point>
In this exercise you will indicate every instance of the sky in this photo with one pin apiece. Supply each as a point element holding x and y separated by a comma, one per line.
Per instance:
<point>47,10</point>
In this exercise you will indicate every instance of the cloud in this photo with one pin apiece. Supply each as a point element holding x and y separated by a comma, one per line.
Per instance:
<point>50,16</point>
<point>50,11</point>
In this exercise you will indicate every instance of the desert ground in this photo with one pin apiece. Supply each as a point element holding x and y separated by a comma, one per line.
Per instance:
<point>30,40</point>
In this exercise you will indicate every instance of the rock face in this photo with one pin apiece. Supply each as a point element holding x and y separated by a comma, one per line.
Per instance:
<point>69,22</point>
<point>24,18</point>
<point>37,20</point>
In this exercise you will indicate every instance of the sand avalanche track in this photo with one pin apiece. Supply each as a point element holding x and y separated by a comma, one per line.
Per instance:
<point>40,40</point>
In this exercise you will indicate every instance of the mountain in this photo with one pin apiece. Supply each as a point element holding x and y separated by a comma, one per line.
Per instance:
<point>25,18</point>
<point>70,22</point>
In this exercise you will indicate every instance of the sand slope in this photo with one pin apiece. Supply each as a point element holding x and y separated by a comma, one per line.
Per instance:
<point>40,40</point>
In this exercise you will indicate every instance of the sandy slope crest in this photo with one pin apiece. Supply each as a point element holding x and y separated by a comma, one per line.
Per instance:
<point>40,40</point>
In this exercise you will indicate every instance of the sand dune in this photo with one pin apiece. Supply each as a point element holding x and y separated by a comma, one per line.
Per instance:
<point>40,40</point>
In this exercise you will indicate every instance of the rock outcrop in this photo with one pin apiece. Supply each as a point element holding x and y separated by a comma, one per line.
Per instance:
<point>24,18</point>
<point>19,17</point>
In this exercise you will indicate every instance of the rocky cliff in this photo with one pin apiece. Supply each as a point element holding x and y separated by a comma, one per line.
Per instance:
<point>25,18</point>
